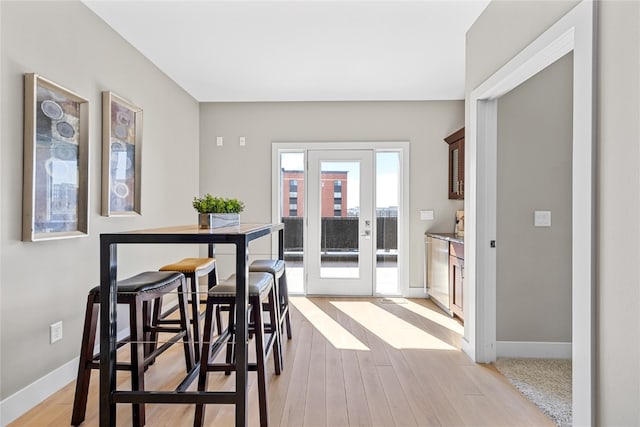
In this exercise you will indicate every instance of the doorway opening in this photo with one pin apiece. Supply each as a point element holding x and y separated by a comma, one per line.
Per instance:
<point>572,33</point>
<point>533,235</point>
<point>344,206</point>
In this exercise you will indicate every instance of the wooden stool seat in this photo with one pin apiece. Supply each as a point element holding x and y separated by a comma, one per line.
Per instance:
<point>261,287</point>
<point>198,266</point>
<point>138,292</point>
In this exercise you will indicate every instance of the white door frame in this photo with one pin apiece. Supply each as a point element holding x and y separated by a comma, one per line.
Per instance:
<point>573,32</point>
<point>402,147</point>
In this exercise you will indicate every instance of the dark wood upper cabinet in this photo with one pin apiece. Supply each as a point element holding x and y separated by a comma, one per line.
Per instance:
<point>456,164</point>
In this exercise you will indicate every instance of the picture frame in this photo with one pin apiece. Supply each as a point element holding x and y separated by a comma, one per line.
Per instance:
<point>121,156</point>
<point>56,161</point>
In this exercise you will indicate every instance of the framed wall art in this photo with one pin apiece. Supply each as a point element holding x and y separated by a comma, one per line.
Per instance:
<point>56,161</point>
<point>121,156</point>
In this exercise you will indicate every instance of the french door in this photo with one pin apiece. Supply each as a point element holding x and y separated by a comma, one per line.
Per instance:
<point>340,245</point>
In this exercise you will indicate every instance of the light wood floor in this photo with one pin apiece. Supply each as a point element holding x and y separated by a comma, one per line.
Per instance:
<point>365,362</point>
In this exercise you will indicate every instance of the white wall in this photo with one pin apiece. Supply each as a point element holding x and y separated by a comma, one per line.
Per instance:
<point>618,187</point>
<point>533,267</point>
<point>45,282</point>
<point>245,172</point>
<point>503,29</point>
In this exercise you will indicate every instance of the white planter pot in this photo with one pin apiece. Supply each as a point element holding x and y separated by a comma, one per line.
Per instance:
<point>218,220</point>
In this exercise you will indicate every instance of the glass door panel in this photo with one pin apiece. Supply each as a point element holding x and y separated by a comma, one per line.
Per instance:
<point>292,189</point>
<point>339,242</point>
<point>387,227</point>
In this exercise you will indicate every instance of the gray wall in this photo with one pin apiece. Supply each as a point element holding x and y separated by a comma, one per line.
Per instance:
<point>503,29</point>
<point>245,172</point>
<point>533,268</point>
<point>45,282</point>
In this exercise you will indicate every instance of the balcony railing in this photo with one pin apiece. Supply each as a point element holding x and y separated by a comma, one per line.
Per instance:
<point>339,235</point>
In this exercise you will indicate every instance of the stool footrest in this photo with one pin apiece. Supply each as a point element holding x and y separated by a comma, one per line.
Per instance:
<point>174,339</point>
<point>218,344</point>
<point>219,367</point>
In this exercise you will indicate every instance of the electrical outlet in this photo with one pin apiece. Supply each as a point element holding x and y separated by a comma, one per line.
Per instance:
<point>219,141</point>
<point>55,332</point>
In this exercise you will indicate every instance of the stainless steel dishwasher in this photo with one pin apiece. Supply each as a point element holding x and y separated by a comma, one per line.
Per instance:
<point>437,260</point>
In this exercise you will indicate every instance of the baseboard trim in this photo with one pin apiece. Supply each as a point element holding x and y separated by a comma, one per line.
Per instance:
<point>416,293</point>
<point>26,399</point>
<point>539,350</point>
<point>467,349</point>
<point>22,401</point>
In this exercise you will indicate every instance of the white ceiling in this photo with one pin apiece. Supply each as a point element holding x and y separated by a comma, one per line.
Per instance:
<point>302,50</point>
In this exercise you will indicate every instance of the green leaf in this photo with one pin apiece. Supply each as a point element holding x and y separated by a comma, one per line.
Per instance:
<point>210,204</point>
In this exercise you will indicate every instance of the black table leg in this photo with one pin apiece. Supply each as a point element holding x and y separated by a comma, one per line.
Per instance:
<point>108,331</point>
<point>242,303</point>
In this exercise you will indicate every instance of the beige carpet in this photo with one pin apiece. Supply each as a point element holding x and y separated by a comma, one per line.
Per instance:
<point>545,382</point>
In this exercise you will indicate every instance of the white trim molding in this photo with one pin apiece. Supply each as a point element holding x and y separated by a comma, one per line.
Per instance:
<point>574,32</point>
<point>22,401</point>
<point>416,293</point>
<point>535,350</point>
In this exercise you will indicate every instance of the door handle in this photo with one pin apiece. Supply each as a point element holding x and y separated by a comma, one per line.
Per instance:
<point>367,233</point>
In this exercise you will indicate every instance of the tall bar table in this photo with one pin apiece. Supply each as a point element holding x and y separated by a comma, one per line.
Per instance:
<point>240,236</point>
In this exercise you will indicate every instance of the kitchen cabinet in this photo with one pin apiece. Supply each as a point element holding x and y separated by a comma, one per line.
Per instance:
<point>437,251</point>
<point>445,271</point>
<point>456,164</point>
<point>456,278</point>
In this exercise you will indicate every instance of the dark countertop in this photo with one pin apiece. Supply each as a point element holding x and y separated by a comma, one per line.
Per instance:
<point>451,237</point>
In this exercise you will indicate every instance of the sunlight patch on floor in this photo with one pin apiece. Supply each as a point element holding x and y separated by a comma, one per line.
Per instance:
<point>434,316</point>
<point>395,331</point>
<point>338,336</point>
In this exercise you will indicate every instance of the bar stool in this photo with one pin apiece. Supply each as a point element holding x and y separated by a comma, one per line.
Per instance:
<point>260,289</point>
<point>277,268</point>
<point>192,268</point>
<point>138,292</point>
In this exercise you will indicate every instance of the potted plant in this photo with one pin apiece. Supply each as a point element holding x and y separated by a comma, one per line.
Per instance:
<point>215,212</point>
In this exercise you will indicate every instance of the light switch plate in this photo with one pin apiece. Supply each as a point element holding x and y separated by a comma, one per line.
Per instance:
<point>55,332</point>
<point>542,218</point>
<point>219,141</point>
<point>426,215</point>
<point>242,140</point>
